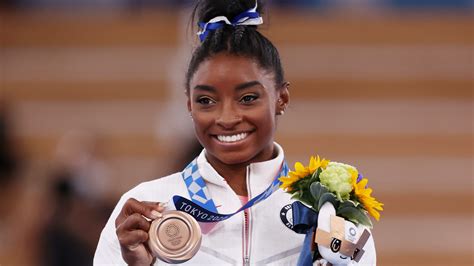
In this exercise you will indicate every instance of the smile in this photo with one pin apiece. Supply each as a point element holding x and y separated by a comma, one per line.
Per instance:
<point>232,138</point>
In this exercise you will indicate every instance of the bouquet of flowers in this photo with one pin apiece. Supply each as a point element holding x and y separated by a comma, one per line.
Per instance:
<point>339,183</point>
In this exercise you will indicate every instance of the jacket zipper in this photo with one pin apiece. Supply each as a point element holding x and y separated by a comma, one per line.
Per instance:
<point>246,258</point>
<point>247,226</point>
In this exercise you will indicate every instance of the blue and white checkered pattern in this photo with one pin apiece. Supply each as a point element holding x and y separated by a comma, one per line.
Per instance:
<point>197,187</point>
<point>201,200</point>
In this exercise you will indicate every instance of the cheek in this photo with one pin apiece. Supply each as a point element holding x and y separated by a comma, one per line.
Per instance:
<point>200,126</point>
<point>264,118</point>
<point>201,122</point>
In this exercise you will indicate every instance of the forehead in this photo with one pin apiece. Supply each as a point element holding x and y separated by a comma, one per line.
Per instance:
<point>225,69</point>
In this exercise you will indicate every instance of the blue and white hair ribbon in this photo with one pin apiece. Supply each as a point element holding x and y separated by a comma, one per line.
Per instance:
<point>249,17</point>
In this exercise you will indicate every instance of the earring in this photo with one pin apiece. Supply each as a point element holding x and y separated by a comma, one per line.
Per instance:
<point>282,112</point>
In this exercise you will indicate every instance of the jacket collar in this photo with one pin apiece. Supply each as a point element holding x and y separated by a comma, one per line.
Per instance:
<point>259,175</point>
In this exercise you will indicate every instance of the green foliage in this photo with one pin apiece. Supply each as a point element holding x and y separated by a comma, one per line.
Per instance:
<point>331,182</point>
<point>328,196</point>
<point>354,214</point>
<point>313,193</point>
<point>317,190</point>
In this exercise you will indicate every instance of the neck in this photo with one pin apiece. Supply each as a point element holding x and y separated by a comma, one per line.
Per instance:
<point>236,174</point>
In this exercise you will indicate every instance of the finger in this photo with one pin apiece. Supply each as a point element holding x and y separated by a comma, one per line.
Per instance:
<point>156,206</point>
<point>160,206</point>
<point>147,209</point>
<point>133,239</point>
<point>133,231</point>
<point>133,222</point>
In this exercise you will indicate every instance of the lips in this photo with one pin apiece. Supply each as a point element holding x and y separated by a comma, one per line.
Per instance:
<point>230,138</point>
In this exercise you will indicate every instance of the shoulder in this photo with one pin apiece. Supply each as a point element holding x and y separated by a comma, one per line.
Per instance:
<point>157,190</point>
<point>160,189</point>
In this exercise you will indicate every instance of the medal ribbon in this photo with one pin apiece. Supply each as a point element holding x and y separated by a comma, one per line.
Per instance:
<point>202,207</point>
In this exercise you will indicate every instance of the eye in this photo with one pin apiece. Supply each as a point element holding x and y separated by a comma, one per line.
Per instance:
<point>248,98</point>
<point>205,101</point>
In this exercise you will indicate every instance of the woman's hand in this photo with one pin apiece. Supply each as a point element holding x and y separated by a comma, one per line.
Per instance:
<point>132,230</point>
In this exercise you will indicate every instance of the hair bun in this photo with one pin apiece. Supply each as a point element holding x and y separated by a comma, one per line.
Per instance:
<point>229,26</point>
<point>206,10</point>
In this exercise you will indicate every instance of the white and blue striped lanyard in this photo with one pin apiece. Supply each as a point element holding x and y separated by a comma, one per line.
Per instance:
<point>202,207</point>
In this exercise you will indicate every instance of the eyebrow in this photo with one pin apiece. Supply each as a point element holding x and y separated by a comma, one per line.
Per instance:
<point>239,87</point>
<point>246,85</point>
<point>205,88</point>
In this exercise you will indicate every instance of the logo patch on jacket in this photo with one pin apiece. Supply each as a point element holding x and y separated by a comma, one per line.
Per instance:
<point>286,216</point>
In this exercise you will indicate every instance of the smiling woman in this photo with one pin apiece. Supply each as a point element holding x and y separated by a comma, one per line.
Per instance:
<point>234,104</point>
<point>235,92</point>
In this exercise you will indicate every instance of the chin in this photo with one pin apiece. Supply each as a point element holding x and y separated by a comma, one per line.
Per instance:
<point>233,158</point>
<point>236,153</point>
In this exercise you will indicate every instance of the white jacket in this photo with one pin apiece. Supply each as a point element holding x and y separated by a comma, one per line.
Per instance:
<point>270,241</point>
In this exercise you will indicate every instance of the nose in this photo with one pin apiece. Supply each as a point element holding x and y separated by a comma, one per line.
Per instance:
<point>229,117</point>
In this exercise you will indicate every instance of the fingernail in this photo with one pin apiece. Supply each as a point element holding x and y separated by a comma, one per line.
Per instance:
<point>133,247</point>
<point>156,214</point>
<point>163,204</point>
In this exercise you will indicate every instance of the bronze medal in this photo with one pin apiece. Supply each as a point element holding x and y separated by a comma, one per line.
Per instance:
<point>175,237</point>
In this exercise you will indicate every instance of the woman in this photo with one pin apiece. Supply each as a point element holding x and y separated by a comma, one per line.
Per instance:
<point>236,92</point>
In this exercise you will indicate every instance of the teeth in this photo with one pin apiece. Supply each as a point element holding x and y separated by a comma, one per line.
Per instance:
<point>232,138</point>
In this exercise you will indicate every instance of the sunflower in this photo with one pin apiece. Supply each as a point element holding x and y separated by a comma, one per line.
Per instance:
<point>301,172</point>
<point>316,162</point>
<point>363,195</point>
<point>287,182</point>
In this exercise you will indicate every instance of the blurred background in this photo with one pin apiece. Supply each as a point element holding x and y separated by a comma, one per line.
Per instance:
<point>92,103</point>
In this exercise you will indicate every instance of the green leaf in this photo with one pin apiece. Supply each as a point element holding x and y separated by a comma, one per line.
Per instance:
<point>354,202</point>
<point>296,195</point>
<point>328,196</point>
<point>317,190</point>
<point>307,198</point>
<point>347,203</point>
<point>315,176</point>
<point>354,215</point>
